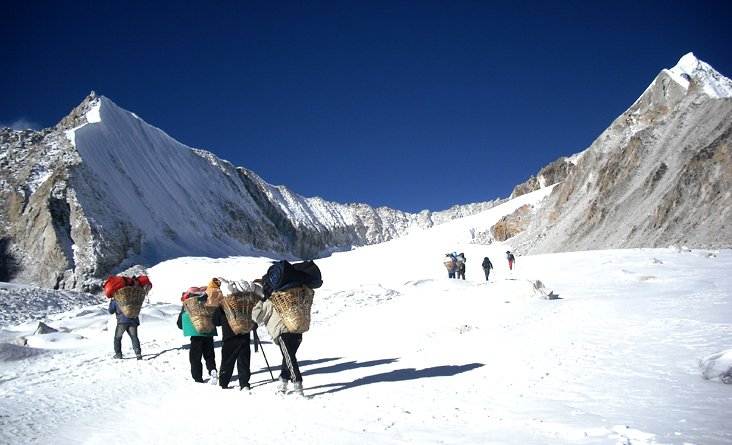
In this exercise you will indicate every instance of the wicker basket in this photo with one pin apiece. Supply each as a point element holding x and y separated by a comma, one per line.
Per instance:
<point>130,299</point>
<point>293,306</point>
<point>200,314</point>
<point>238,310</point>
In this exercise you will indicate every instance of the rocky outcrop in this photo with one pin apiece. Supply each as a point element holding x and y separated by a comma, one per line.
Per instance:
<point>513,224</point>
<point>552,174</point>
<point>660,175</point>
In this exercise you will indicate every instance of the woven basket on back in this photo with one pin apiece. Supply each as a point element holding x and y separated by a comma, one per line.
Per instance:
<point>200,314</point>
<point>238,310</point>
<point>293,306</point>
<point>130,299</point>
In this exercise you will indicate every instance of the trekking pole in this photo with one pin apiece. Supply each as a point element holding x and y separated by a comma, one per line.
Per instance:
<point>257,341</point>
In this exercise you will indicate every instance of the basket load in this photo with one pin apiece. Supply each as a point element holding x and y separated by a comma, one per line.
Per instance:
<point>289,287</point>
<point>241,296</point>
<point>450,262</point>
<point>128,292</point>
<point>293,306</point>
<point>199,313</point>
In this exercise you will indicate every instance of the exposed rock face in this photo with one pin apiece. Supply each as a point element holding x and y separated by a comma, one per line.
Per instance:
<point>513,224</point>
<point>552,174</point>
<point>103,190</point>
<point>660,175</point>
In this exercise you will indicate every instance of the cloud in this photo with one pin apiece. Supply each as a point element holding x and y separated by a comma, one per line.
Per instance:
<point>22,124</point>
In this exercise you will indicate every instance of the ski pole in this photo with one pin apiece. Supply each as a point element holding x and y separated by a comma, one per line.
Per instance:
<point>256,340</point>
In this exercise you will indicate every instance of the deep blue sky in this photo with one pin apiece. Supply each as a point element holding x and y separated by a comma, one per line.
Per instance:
<point>407,104</point>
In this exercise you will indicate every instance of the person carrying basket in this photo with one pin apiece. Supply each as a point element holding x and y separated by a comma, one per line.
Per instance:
<point>124,324</point>
<point>202,343</point>
<point>235,348</point>
<point>285,311</point>
<point>264,312</point>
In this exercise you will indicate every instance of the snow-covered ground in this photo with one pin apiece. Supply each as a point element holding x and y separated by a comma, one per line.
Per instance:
<point>399,353</point>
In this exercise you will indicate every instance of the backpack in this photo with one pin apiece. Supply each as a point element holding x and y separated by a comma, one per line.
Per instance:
<point>114,283</point>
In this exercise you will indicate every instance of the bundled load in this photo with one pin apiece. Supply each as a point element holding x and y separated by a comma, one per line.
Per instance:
<point>289,288</point>
<point>193,290</point>
<point>282,275</point>
<point>241,296</point>
<point>461,259</point>
<point>128,292</point>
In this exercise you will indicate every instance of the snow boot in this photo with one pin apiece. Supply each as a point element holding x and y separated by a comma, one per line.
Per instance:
<point>298,389</point>
<point>138,353</point>
<point>119,356</point>
<point>282,386</point>
<point>246,389</point>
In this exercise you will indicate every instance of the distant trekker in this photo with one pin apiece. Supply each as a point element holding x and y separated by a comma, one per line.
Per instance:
<point>511,259</point>
<point>461,265</point>
<point>487,266</point>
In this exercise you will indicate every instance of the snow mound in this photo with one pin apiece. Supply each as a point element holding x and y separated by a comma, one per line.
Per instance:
<point>717,365</point>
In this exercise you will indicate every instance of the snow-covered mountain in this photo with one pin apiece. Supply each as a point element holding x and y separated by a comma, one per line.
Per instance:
<point>104,190</point>
<point>661,174</point>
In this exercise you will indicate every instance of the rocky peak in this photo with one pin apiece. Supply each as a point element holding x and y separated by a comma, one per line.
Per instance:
<point>659,175</point>
<point>77,117</point>
<point>552,174</point>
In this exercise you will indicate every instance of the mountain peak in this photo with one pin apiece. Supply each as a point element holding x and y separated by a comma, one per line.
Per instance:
<point>711,82</point>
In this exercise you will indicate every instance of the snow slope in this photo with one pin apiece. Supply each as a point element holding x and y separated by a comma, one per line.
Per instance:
<point>398,353</point>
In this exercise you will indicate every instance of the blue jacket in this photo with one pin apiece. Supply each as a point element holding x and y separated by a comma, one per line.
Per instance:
<point>114,309</point>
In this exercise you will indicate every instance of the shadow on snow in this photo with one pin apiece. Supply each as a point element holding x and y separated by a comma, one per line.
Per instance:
<point>397,375</point>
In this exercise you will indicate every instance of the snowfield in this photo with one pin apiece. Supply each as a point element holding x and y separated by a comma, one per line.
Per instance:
<point>612,347</point>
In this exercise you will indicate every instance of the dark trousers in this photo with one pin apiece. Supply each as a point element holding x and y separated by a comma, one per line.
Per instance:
<point>201,347</point>
<point>131,330</point>
<point>487,273</point>
<point>235,350</point>
<point>461,273</point>
<point>289,343</point>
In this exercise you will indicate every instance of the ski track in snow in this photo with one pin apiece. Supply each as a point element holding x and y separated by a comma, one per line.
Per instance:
<point>614,360</point>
